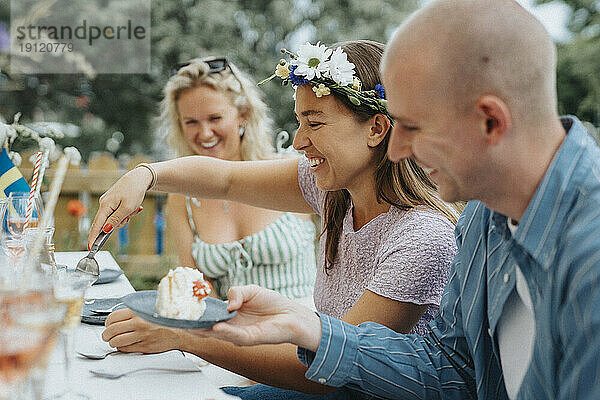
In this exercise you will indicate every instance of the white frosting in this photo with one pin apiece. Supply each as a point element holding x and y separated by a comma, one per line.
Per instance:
<point>176,298</point>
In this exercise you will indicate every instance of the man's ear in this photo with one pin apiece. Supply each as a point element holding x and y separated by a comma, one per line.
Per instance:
<point>495,117</point>
<point>379,127</point>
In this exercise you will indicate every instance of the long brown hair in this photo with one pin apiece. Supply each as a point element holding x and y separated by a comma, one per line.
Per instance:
<point>404,185</point>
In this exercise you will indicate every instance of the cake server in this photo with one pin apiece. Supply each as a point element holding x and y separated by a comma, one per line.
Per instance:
<point>88,264</point>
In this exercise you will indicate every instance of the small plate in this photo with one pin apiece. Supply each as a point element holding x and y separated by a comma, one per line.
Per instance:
<point>88,317</point>
<point>108,275</point>
<point>143,304</point>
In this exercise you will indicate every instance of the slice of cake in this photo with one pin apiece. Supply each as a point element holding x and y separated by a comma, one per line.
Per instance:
<point>181,294</point>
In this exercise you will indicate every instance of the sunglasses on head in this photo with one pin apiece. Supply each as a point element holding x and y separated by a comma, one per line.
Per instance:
<point>215,65</point>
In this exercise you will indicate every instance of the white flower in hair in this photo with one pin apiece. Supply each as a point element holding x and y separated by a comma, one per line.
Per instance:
<point>340,69</point>
<point>312,61</point>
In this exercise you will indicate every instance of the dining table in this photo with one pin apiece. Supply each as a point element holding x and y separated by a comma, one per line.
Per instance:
<point>201,384</point>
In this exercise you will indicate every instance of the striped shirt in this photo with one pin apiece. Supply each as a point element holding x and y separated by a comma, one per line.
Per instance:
<point>281,257</point>
<point>556,246</point>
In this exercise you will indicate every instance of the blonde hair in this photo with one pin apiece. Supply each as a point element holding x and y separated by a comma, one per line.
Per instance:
<point>256,143</point>
<point>404,185</point>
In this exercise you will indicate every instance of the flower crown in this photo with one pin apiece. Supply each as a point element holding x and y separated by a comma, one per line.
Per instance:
<point>328,70</point>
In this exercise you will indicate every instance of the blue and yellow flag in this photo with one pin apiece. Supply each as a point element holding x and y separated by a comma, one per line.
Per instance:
<point>11,179</point>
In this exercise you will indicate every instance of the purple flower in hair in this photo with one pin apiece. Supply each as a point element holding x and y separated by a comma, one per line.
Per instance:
<point>380,91</point>
<point>295,79</point>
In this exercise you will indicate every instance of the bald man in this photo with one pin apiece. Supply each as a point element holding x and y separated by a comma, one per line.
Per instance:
<point>471,87</point>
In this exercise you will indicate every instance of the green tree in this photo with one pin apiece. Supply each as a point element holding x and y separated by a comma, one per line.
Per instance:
<point>250,33</point>
<point>578,79</point>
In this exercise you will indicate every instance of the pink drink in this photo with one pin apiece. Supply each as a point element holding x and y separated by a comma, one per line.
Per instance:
<point>16,225</point>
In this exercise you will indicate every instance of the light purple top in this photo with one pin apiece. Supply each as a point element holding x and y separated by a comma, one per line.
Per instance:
<point>401,255</point>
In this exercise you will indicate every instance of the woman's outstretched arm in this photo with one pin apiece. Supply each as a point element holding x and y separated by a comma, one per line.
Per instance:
<point>267,184</point>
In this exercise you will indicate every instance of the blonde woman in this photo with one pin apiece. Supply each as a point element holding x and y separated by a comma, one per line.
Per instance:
<point>212,109</point>
<point>387,241</point>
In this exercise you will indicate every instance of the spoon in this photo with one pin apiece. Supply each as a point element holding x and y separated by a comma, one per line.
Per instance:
<point>108,310</point>
<point>100,356</point>
<point>112,375</point>
<point>88,264</point>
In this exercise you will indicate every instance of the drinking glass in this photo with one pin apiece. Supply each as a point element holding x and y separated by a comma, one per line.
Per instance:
<point>30,318</point>
<point>13,249</point>
<point>47,257</point>
<point>15,212</point>
<point>69,289</point>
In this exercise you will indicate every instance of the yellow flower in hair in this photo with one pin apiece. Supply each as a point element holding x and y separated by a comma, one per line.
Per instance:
<point>321,90</point>
<point>282,70</point>
<point>356,83</point>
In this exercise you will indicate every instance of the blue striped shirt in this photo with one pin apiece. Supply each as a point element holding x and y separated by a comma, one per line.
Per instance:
<point>557,247</point>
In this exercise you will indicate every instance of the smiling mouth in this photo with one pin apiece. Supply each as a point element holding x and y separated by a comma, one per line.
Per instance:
<point>210,145</point>
<point>315,161</point>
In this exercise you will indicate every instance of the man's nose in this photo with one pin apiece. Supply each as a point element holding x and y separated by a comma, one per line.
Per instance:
<point>399,146</point>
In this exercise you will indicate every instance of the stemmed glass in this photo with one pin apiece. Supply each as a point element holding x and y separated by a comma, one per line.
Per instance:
<point>30,318</point>
<point>13,211</point>
<point>16,212</point>
<point>69,289</point>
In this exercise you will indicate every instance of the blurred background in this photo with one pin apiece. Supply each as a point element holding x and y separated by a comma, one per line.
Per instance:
<point>109,118</point>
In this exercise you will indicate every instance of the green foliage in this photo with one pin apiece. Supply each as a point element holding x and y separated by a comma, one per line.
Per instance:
<point>578,79</point>
<point>585,18</point>
<point>250,33</point>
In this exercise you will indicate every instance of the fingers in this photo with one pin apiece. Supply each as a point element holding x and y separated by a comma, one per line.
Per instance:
<point>118,326</point>
<point>124,222</point>
<point>118,217</point>
<point>230,333</point>
<point>108,226</point>
<point>124,340</point>
<point>237,295</point>
<point>133,348</point>
<point>122,200</point>
<point>104,211</point>
<point>133,214</point>
<point>118,316</point>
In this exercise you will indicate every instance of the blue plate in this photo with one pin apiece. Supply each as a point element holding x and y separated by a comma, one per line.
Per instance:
<point>108,275</point>
<point>143,304</point>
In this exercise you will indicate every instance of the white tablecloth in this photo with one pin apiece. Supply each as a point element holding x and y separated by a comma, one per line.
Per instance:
<point>142,385</point>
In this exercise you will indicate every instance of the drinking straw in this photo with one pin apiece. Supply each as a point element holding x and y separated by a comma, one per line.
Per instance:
<point>70,155</point>
<point>34,180</point>
<point>47,146</point>
<point>45,157</point>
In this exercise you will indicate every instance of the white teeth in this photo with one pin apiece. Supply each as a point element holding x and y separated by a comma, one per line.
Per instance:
<point>314,161</point>
<point>208,145</point>
<point>428,170</point>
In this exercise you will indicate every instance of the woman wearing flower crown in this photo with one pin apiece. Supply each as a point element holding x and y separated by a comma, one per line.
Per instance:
<point>212,109</point>
<point>387,241</point>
